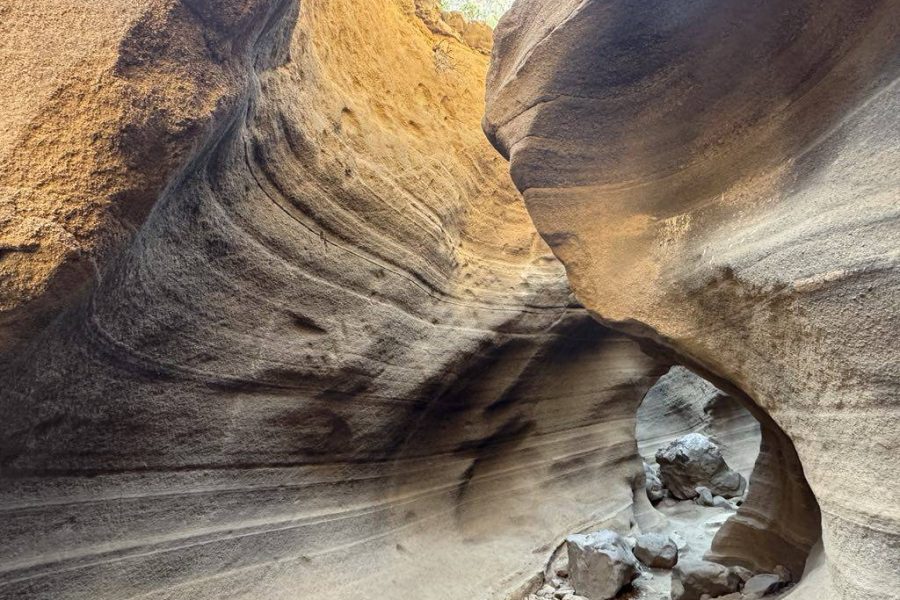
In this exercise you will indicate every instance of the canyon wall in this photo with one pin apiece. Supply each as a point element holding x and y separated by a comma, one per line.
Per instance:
<point>722,180</point>
<point>275,323</point>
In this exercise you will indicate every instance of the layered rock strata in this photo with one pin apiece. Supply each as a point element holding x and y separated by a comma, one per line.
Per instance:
<point>276,321</point>
<point>722,180</point>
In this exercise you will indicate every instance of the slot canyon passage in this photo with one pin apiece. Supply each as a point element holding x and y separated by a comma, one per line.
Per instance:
<point>362,300</point>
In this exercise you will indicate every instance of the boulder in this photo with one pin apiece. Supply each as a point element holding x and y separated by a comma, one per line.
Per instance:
<point>704,496</point>
<point>656,550</point>
<point>694,579</point>
<point>744,573</point>
<point>761,585</point>
<point>655,489</point>
<point>600,564</point>
<point>694,460</point>
<point>720,502</point>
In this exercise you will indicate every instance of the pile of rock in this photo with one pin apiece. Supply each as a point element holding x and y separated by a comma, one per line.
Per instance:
<point>701,580</point>
<point>705,497</point>
<point>556,582</point>
<point>693,467</point>
<point>602,564</point>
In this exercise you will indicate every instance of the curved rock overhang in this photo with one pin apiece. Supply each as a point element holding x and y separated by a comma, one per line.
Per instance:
<point>722,179</point>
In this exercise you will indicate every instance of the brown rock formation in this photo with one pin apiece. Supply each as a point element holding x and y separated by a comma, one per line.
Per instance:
<point>276,321</point>
<point>454,24</point>
<point>722,179</point>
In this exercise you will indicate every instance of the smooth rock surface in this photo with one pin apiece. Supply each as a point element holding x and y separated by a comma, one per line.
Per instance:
<point>290,331</point>
<point>600,564</point>
<point>273,318</point>
<point>730,193</point>
<point>761,585</point>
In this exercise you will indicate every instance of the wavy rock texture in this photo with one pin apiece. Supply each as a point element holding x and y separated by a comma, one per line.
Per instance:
<point>722,178</point>
<point>109,102</point>
<point>276,322</point>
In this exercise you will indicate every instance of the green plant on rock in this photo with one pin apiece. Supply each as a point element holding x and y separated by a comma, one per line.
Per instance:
<point>488,11</point>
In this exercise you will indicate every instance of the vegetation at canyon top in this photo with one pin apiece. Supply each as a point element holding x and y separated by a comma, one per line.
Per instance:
<point>488,11</point>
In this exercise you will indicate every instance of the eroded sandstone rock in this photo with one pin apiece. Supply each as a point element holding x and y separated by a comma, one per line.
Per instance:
<point>656,550</point>
<point>600,564</point>
<point>320,342</point>
<point>691,580</point>
<point>730,194</point>
<point>693,462</point>
<point>271,315</point>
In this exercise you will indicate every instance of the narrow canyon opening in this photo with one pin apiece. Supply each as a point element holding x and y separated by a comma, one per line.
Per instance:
<point>682,409</point>
<point>376,300</point>
<point>680,412</point>
<point>721,508</point>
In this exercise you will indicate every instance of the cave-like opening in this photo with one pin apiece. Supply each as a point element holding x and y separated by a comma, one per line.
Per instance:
<point>682,426</point>
<point>721,506</point>
<point>752,511</point>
